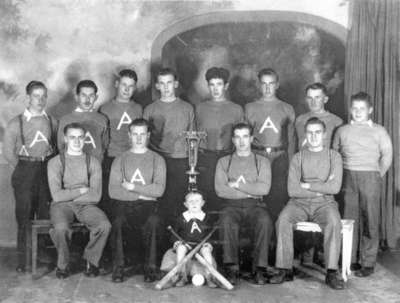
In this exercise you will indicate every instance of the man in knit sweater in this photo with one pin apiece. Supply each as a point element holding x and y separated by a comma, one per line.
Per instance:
<point>169,118</point>
<point>316,99</point>
<point>366,149</point>
<point>273,123</point>
<point>137,180</point>
<point>216,118</point>
<point>75,185</point>
<point>315,175</point>
<point>96,124</point>
<point>29,141</point>
<point>242,179</point>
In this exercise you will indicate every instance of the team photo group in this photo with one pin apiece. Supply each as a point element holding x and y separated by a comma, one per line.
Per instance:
<point>187,180</point>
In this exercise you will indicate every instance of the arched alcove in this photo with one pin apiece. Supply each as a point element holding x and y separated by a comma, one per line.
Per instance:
<point>302,48</point>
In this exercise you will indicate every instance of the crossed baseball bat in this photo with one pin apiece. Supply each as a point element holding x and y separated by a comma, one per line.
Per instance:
<point>194,252</point>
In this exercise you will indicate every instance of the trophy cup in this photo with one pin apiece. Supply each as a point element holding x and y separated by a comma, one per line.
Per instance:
<point>193,139</point>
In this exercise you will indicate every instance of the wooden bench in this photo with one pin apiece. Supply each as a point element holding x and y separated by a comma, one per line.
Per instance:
<point>347,241</point>
<point>42,227</point>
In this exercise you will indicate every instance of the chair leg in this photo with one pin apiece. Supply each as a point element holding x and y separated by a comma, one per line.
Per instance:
<point>347,241</point>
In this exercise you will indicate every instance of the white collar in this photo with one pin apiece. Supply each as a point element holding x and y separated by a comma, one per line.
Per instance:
<point>29,115</point>
<point>369,123</point>
<point>80,110</point>
<point>189,216</point>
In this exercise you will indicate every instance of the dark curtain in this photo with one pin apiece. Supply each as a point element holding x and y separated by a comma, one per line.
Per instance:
<point>372,65</point>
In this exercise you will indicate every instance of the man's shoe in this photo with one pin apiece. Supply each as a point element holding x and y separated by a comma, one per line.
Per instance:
<point>232,275</point>
<point>150,274</point>
<point>364,272</point>
<point>118,275</point>
<point>91,270</point>
<point>62,273</point>
<point>333,280</point>
<point>355,266</point>
<point>283,275</point>
<point>259,277</point>
<point>211,283</point>
<point>182,281</point>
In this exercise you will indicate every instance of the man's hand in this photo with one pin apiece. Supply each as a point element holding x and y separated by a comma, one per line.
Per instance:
<point>83,190</point>
<point>305,185</point>
<point>233,184</point>
<point>128,185</point>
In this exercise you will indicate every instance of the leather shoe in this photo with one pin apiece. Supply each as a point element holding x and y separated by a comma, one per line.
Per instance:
<point>355,266</point>
<point>232,275</point>
<point>283,275</point>
<point>334,281</point>
<point>118,275</point>
<point>259,277</point>
<point>91,270</point>
<point>62,273</point>
<point>364,272</point>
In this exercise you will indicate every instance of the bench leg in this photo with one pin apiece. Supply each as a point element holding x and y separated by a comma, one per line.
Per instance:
<point>34,250</point>
<point>347,243</point>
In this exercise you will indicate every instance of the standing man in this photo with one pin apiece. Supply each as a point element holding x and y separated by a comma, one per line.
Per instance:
<point>315,175</point>
<point>367,152</point>
<point>317,97</point>
<point>215,117</point>
<point>29,141</point>
<point>137,180</point>
<point>75,185</point>
<point>120,111</point>
<point>273,123</point>
<point>242,179</point>
<point>169,118</point>
<point>95,124</point>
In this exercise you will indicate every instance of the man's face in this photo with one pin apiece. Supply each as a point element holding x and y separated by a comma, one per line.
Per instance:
<point>242,139</point>
<point>268,85</point>
<point>217,88</point>
<point>74,140</point>
<point>316,100</point>
<point>194,202</point>
<point>166,84</point>
<point>139,136</point>
<point>360,111</point>
<point>38,99</point>
<point>125,88</point>
<point>86,98</point>
<point>315,135</point>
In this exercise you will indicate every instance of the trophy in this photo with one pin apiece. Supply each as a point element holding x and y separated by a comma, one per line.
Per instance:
<point>193,139</point>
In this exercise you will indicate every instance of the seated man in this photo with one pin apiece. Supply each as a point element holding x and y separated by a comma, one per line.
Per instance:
<point>75,186</point>
<point>315,175</point>
<point>137,179</point>
<point>241,179</point>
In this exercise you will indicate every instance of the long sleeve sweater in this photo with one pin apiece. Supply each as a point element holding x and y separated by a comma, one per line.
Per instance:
<point>120,116</point>
<point>147,171</point>
<point>37,135</point>
<point>65,187</point>
<point>273,123</point>
<point>322,170</point>
<point>169,120</point>
<point>253,173</point>
<point>96,137</point>
<point>364,147</point>
<point>217,120</point>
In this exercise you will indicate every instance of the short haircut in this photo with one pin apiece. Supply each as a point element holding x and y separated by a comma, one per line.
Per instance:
<point>128,73</point>
<point>167,71</point>
<point>139,122</point>
<point>361,96</point>
<point>242,125</point>
<point>317,85</point>
<point>268,72</point>
<point>315,120</point>
<point>73,125</point>
<point>33,85</point>
<point>217,73</point>
<point>86,83</point>
<point>194,192</point>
